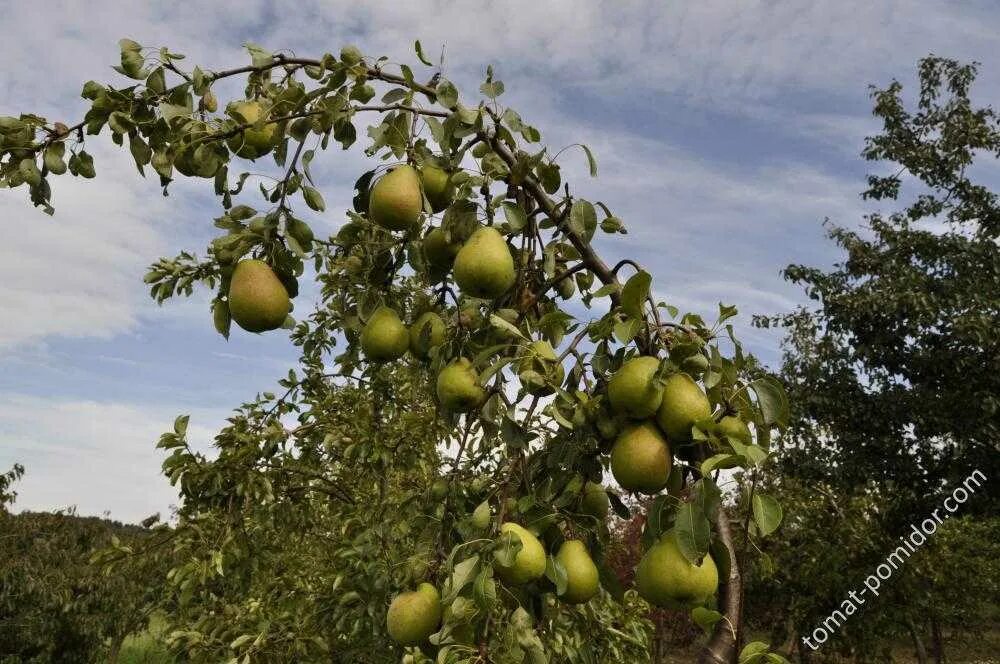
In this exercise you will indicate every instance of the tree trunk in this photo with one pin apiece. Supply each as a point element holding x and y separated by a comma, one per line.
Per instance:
<point>937,641</point>
<point>918,644</point>
<point>723,645</point>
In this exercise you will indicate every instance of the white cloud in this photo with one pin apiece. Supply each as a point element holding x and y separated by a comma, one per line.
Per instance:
<point>77,275</point>
<point>98,456</point>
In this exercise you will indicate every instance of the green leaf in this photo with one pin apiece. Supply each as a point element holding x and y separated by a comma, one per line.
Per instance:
<point>29,171</point>
<point>420,54</point>
<point>515,215</point>
<point>313,198</point>
<point>590,160</point>
<point>500,323</point>
<point>705,618</point>
<point>350,55</point>
<point>131,60</point>
<point>726,312</point>
<point>719,461</point>
<point>606,290</point>
<point>492,89</point>
<point>583,219</point>
<point>241,641</point>
<point>556,573</point>
<point>447,93</point>
<point>53,158</point>
<point>635,293</point>
<point>767,513</point>
<point>221,317</point>
<point>772,400</point>
<point>693,532</point>
<point>484,590</point>
<point>260,57</point>
<point>181,424</point>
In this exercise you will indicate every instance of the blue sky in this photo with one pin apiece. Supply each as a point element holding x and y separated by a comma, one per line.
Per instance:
<point>724,132</point>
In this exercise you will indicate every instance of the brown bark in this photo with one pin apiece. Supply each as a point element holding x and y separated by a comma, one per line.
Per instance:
<point>937,641</point>
<point>918,644</point>
<point>723,645</point>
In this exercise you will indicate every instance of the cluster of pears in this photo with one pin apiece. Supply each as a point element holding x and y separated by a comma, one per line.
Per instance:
<point>661,413</point>
<point>385,338</point>
<point>414,616</point>
<point>483,265</point>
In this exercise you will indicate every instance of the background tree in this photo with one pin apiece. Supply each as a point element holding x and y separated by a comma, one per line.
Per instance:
<point>54,606</point>
<point>894,377</point>
<point>501,374</point>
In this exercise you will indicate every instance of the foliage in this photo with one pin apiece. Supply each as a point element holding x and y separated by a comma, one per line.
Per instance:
<point>354,485</point>
<point>55,607</point>
<point>906,329</point>
<point>893,378</point>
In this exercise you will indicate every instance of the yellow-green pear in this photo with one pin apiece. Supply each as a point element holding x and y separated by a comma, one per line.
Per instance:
<point>257,300</point>
<point>439,489</point>
<point>439,252</point>
<point>484,266</point>
<point>684,403</point>
<point>595,501</point>
<point>734,427</point>
<point>581,572</point>
<point>481,515</point>
<point>640,459</point>
<point>666,578</point>
<point>252,143</point>
<point>395,201</point>
<point>458,388</point>
<point>541,359</point>
<point>438,186</point>
<point>414,616</point>
<point>426,332</point>
<point>633,390</point>
<point>384,336</point>
<point>529,563</point>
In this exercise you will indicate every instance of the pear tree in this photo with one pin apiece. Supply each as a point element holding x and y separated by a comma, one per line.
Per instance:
<point>462,301</point>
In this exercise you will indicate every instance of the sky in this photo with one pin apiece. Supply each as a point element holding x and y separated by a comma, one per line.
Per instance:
<point>725,133</point>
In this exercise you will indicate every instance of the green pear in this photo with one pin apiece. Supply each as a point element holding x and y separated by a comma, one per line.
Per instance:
<point>426,332</point>
<point>201,161</point>
<point>257,300</point>
<point>529,563</point>
<point>395,201</point>
<point>695,365</point>
<point>439,252</point>
<point>684,403</point>
<point>458,388</point>
<point>439,489</point>
<point>481,515</point>
<point>666,578</point>
<point>633,390</point>
<point>384,337</point>
<point>734,427</point>
<point>595,501</point>
<point>484,266</point>
<point>438,186</point>
<point>252,143</point>
<point>414,616</point>
<point>581,572</point>
<point>542,359</point>
<point>640,459</point>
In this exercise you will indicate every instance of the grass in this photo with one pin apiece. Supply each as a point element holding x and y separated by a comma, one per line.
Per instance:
<point>146,647</point>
